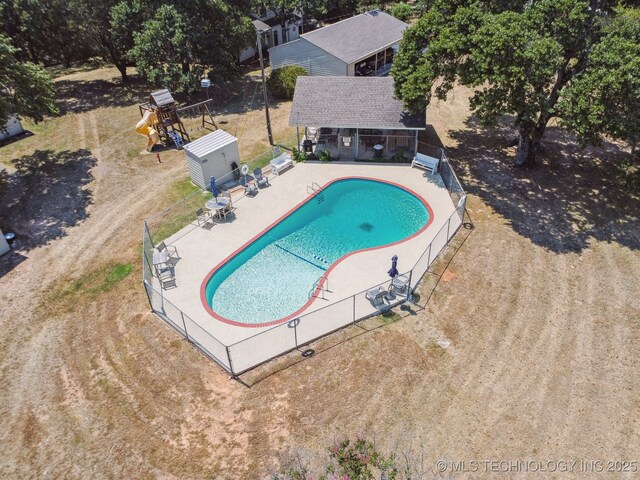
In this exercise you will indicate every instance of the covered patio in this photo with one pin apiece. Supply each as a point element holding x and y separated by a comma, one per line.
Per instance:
<point>353,118</point>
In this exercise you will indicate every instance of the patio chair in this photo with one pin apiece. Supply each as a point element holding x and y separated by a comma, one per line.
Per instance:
<point>400,284</point>
<point>204,218</point>
<point>228,210</point>
<point>166,277</point>
<point>261,179</point>
<point>377,296</point>
<point>249,189</point>
<point>172,252</point>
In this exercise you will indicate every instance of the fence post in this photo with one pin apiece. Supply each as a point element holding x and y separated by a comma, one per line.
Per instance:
<point>410,289</point>
<point>233,374</point>
<point>186,335</point>
<point>144,284</point>
<point>295,332</point>
<point>429,256</point>
<point>354,309</point>
<point>448,225</point>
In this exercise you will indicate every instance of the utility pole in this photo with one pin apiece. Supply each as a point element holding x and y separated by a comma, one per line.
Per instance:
<point>264,86</point>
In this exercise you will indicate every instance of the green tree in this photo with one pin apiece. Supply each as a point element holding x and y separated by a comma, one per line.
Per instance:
<point>46,31</point>
<point>162,52</point>
<point>109,26</point>
<point>26,89</point>
<point>402,11</point>
<point>185,39</point>
<point>521,57</point>
<point>605,98</point>
<point>285,9</point>
<point>282,82</point>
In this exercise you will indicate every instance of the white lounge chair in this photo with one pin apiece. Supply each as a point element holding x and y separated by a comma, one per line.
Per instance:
<point>377,296</point>
<point>400,284</point>
<point>166,277</point>
<point>249,188</point>
<point>261,179</point>
<point>172,253</point>
<point>424,161</point>
<point>204,218</point>
<point>281,163</point>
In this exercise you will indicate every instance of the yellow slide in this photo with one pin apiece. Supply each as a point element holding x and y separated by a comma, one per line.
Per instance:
<point>144,128</point>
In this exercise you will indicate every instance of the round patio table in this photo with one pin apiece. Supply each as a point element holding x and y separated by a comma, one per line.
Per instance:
<point>377,150</point>
<point>217,204</point>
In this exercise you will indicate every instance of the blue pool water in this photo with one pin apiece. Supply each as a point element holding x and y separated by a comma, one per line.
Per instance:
<point>274,276</point>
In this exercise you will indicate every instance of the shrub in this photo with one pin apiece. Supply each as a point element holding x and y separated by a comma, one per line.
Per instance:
<point>282,82</point>
<point>325,156</point>
<point>299,156</point>
<point>401,11</point>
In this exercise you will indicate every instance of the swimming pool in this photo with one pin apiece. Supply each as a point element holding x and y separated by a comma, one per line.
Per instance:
<point>272,278</point>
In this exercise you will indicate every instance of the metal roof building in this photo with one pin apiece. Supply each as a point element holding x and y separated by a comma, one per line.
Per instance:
<point>363,45</point>
<point>212,156</point>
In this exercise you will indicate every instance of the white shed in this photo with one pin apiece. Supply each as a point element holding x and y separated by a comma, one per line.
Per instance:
<point>12,128</point>
<point>212,156</point>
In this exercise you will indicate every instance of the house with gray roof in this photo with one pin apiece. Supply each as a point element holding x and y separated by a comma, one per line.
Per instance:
<point>354,118</point>
<point>363,45</point>
<point>273,31</point>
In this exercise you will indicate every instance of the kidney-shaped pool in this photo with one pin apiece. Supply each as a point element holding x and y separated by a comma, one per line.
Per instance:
<point>271,278</point>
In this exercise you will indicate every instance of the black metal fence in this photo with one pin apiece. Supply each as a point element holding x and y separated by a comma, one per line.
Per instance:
<point>268,344</point>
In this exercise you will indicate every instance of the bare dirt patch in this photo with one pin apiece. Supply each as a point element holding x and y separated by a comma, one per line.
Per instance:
<point>526,348</point>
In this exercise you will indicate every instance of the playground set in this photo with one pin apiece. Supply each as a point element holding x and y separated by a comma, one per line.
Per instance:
<point>161,120</point>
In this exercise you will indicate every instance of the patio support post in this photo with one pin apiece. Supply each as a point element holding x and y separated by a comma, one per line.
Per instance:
<point>264,87</point>
<point>416,145</point>
<point>298,136</point>
<point>357,140</point>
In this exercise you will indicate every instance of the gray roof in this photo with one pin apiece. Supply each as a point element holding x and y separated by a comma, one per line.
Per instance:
<point>260,25</point>
<point>209,143</point>
<point>162,97</point>
<point>350,102</point>
<point>357,37</point>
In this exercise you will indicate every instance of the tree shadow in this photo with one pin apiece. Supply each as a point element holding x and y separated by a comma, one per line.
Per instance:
<point>45,195</point>
<point>238,95</point>
<point>78,96</point>
<point>571,196</point>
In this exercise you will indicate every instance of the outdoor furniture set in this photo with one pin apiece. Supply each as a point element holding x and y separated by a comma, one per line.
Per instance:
<point>379,295</point>
<point>165,258</point>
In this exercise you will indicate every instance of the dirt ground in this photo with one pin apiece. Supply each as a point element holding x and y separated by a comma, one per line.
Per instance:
<point>523,344</point>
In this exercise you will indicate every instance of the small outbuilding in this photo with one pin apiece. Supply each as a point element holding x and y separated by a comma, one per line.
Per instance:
<point>214,155</point>
<point>12,128</point>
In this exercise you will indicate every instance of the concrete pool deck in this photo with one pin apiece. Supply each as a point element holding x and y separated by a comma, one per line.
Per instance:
<point>202,249</point>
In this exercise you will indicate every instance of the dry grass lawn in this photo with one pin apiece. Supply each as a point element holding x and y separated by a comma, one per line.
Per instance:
<point>523,345</point>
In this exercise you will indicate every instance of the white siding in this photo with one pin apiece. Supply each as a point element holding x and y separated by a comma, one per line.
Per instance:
<point>211,156</point>
<point>215,164</point>
<point>307,55</point>
<point>13,127</point>
<point>246,54</point>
